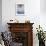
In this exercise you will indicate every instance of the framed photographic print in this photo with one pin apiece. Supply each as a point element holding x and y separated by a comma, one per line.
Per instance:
<point>19,9</point>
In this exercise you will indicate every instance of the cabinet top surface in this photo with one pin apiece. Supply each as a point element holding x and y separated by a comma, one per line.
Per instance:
<point>19,23</point>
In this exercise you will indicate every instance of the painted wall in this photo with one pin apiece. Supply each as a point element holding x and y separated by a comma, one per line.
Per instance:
<point>0,15</point>
<point>32,12</point>
<point>43,6</point>
<point>43,14</point>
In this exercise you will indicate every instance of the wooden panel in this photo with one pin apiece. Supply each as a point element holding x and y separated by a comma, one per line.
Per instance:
<point>22,27</point>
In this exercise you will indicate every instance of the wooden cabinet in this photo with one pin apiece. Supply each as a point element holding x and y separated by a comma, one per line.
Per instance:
<point>22,33</point>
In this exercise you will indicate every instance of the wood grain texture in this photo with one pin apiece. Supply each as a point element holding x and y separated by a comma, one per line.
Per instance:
<point>23,27</point>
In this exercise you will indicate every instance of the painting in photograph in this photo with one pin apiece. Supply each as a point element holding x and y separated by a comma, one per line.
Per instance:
<point>19,9</point>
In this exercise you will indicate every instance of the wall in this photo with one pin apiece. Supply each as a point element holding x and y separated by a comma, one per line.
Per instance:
<point>43,14</point>
<point>32,13</point>
<point>43,6</point>
<point>0,15</point>
<point>32,10</point>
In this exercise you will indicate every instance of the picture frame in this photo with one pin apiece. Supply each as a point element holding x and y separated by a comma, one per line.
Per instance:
<point>19,9</point>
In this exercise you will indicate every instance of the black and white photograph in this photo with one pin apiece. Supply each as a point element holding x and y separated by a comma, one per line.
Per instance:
<point>19,9</point>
